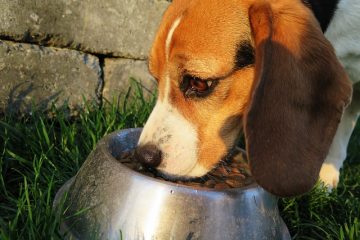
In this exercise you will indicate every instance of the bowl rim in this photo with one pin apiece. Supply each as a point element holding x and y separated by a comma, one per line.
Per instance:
<point>105,141</point>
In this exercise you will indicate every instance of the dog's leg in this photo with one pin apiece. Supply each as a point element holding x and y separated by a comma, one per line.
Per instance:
<point>329,172</point>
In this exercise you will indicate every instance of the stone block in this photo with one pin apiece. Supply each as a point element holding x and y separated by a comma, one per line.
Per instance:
<point>122,28</point>
<point>31,75</point>
<point>120,74</point>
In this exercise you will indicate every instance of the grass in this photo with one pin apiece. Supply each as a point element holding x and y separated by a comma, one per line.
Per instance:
<point>320,215</point>
<point>38,154</point>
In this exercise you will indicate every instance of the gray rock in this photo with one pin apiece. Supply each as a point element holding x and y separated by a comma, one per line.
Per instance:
<point>120,74</point>
<point>33,76</point>
<point>123,28</point>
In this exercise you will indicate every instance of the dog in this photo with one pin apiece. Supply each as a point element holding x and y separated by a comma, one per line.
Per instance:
<point>280,71</point>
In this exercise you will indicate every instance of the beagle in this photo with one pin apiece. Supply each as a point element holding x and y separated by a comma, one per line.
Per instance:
<point>274,69</point>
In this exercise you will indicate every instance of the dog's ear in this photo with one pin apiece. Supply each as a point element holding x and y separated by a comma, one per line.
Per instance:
<point>299,94</point>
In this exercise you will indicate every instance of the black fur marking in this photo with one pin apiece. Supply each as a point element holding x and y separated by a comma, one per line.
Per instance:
<point>245,55</point>
<point>323,10</point>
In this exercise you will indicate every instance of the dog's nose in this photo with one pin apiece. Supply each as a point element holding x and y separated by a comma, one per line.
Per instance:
<point>148,155</point>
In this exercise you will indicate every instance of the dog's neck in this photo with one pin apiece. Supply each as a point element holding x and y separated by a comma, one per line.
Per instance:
<point>323,10</point>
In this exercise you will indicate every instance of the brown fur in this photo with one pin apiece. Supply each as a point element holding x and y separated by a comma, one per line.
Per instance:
<point>194,50</point>
<point>299,93</point>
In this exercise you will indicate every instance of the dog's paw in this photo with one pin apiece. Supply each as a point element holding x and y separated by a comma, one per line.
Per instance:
<point>329,175</point>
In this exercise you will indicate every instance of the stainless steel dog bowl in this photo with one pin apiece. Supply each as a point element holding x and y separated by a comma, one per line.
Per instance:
<point>107,200</point>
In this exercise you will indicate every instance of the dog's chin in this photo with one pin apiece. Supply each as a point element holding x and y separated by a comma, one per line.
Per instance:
<point>173,177</point>
<point>197,171</point>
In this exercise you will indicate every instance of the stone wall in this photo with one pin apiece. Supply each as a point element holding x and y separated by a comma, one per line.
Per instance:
<point>68,50</point>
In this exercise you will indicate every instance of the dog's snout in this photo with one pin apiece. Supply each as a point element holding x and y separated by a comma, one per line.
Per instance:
<point>148,155</point>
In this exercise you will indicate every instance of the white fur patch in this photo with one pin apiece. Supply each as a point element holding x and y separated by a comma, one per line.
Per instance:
<point>170,35</point>
<point>175,137</point>
<point>344,34</point>
<point>329,175</point>
<point>330,169</point>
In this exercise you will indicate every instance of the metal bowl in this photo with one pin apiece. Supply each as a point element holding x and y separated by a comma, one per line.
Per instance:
<point>107,200</point>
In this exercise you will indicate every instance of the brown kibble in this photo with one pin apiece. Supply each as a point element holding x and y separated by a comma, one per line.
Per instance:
<point>214,177</point>
<point>235,170</point>
<point>228,168</point>
<point>234,183</point>
<point>222,170</point>
<point>237,176</point>
<point>210,183</point>
<point>221,186</point>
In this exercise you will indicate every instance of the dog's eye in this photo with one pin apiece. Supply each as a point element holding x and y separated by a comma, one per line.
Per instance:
<point>199,85</point>
<point>196,87</point>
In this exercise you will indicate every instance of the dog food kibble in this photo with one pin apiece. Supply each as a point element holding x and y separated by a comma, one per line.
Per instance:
<point>233,172</point>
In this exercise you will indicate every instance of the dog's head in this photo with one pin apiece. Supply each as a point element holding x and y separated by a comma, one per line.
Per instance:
<point>264,66</point>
